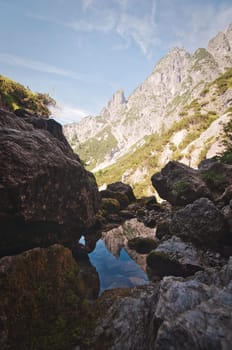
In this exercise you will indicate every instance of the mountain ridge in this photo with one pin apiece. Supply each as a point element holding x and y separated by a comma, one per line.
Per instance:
<point>176,80</point>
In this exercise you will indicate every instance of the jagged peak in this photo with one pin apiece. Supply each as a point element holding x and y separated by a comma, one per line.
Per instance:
<point>116,101</point>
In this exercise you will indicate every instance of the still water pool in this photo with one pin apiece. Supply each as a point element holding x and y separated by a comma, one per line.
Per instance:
<point>116,271</point>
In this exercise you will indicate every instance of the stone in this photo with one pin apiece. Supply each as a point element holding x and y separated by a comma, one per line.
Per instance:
<point>42,181</point>
<point>122,188</point>
<point>120,197</point>
<point>175,257</point>
<point>200,222</point>
<point>179,184</point>
<point>196,313</point>
<point>123,318</point>
<point>42,300</point>
<point>142,245</point>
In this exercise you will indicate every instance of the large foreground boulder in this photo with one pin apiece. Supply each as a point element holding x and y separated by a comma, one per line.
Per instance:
<point>200,222</point>
<point>43,302</point>
<point>196,313</point>
<point>41,179</point>
<point>179,184</point>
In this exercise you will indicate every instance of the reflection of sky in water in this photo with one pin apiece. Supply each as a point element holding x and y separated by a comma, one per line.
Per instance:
<point>116,272</point>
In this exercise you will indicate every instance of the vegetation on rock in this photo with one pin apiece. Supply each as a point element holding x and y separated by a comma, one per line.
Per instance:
<point>14,96</point>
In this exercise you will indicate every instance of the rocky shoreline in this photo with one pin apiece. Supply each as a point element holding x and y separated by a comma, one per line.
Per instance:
<point>49,288</point>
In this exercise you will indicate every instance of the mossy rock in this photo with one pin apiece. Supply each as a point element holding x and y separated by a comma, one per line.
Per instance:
<point>43,302</point>
<point>142,245</point>
<point>120,197</point>
<point>110,205</point>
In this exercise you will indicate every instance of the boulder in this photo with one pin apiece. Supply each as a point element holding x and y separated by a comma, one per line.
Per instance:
<point>175,257</point>
<point>200,222</point>
<point>42,300</point>
<point>122,188</point>
<point>179,184</point>
<point>119,196</point>
<point>142,245</point>
<point>195,313</point>
<point>124,318</point>
<point>41,181</point>
<point>218,177</point>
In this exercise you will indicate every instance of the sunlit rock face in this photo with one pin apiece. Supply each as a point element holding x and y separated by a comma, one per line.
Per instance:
<point>176,80</point>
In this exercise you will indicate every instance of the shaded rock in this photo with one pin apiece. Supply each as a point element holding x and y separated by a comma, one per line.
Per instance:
<point>200,222</point>
<point>124,318</point>
<point>122,188</point>
<point>218,177</point>
<point>110,205</point>
<point>120,197</point>
<point>42,180</point>
<point>176,258</point>
<point>42,300</point>
<point>179,184</point>
<point>142,245</point>
<point>196,313</point>
<point>162,228</point>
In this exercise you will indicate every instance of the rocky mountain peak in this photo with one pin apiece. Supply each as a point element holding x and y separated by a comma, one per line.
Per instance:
<point>115,103</point>
<point>221,46</point>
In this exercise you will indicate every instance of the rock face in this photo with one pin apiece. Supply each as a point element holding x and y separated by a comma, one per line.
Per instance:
<point>42,180</point>
<point>177,79</point>
<point>179,184</point>
<point>124,319</point>
<point>200,222</point>
<point>42,294</point>
<point>196,313</point>
<point>193,313</point>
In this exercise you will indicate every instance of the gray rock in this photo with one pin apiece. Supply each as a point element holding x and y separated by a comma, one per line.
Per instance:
<point>125,319</point>
<point>175,257</point>
<point>200,222</point>
<point>196,313</point>
<point>179,184</point>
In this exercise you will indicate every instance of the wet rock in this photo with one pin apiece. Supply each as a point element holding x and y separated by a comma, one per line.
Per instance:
<point>200,222</point>
<point>179,184</point>
<point>175,257</point>
<point>42,300</point>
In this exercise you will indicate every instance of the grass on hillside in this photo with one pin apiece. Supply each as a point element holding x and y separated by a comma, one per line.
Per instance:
<point>14,95</point>
<point>148,155</point>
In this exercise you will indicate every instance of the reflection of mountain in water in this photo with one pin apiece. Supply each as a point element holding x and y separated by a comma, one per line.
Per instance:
<point>117,238</point>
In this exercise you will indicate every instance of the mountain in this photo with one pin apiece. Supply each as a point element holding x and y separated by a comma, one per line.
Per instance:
<point>181,87</point>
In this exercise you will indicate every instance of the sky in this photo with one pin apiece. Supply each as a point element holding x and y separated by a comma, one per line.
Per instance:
<point>82,51</point>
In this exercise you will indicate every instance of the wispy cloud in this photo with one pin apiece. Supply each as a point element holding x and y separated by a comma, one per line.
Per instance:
<point>65,114</point>
<point>39,66</point>
<point>149,24</point>
<point>96,23</point>
<point>193,25</point>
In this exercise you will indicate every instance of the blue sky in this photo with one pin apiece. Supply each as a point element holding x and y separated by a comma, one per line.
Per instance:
<point>82,51</point>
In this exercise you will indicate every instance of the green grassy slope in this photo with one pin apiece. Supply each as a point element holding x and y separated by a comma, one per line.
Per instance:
<point>14,96</point>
